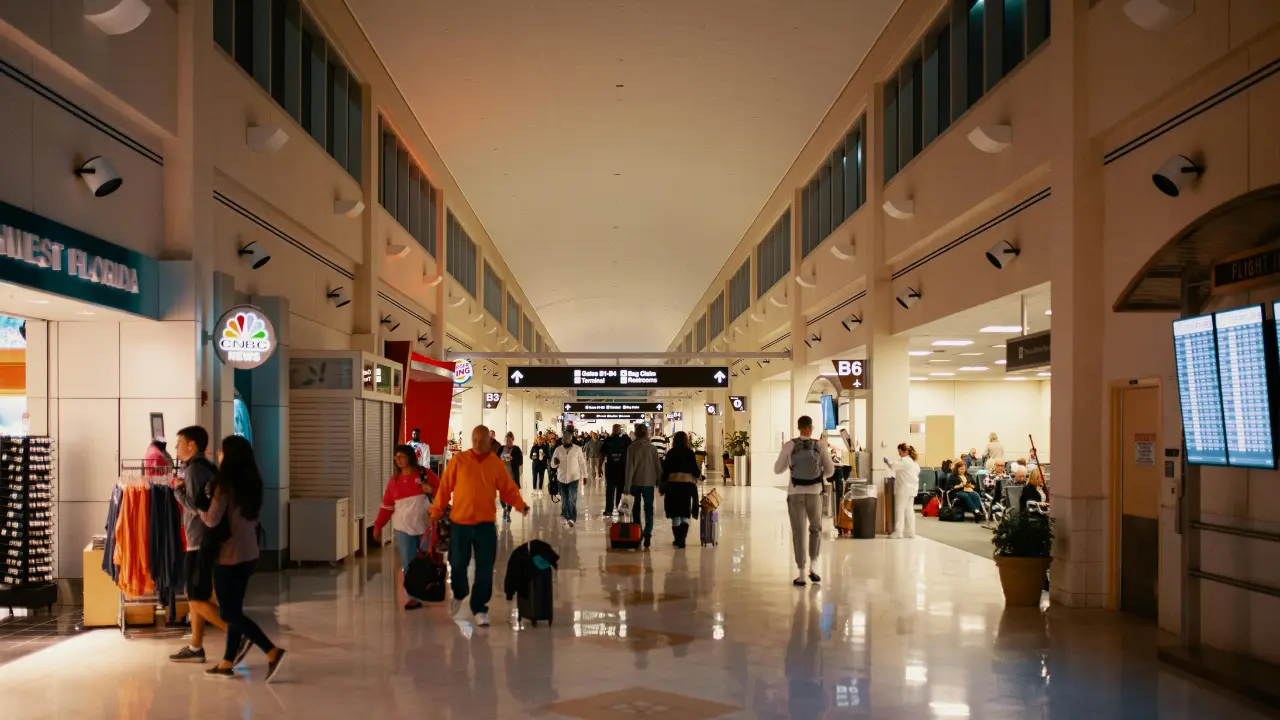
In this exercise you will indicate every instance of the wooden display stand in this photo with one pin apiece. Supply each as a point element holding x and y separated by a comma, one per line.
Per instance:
<point>102,600</point>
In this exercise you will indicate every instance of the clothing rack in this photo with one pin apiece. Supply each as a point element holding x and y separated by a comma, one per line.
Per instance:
<point>27,522</point>
<point>145,474</point>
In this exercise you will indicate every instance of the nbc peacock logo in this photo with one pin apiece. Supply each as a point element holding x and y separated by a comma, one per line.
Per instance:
<point>247,338</point>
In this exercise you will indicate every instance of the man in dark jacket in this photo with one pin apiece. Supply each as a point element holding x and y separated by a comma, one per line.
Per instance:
<point>615,468</point>
<point>194,493</point>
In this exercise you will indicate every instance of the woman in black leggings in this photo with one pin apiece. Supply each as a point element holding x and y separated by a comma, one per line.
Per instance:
<point>538,457</point>
<point>233,517</point>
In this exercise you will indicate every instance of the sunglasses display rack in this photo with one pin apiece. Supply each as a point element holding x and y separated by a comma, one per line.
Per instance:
<point>26,522</point>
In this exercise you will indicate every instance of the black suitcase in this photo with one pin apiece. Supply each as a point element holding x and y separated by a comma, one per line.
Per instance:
<point>537,601</point>
<point>426,577</point>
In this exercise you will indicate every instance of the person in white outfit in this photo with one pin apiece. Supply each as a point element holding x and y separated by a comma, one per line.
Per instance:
<point>809,464</point>
<point>906,482</point>
<point>571,466</point>
<point>995,450</point>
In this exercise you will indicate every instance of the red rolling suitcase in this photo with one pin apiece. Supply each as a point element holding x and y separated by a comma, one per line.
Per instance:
<point>624,536</point>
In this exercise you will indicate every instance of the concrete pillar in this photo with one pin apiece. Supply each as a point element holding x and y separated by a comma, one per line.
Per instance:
<point>1079,479</point>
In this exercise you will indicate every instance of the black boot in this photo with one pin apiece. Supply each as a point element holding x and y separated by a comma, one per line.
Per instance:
<point>682,533</point>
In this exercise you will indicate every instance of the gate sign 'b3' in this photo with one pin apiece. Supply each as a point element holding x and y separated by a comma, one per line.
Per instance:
<point>853,374</point>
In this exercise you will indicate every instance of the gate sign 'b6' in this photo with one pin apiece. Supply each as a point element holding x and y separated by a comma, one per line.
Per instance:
<point>853,374</point>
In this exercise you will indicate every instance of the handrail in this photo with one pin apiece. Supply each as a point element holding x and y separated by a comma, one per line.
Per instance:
<point>1234,582</point>
<point>1238,531</point>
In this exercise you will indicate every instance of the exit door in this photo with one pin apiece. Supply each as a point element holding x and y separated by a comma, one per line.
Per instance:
<point>1140,501</point>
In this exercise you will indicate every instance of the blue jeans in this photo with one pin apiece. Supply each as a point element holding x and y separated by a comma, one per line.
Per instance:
<point>483,538</point>
<point>643,495</point>
<point>969,501</point>
<point>569,501</point>
<point>407,548</point>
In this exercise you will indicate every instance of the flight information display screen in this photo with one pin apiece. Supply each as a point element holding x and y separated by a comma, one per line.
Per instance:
<point>1246,400</point>
<point>1199,390</point>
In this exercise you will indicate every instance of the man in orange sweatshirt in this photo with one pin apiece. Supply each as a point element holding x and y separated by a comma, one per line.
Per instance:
<point>471,480</point>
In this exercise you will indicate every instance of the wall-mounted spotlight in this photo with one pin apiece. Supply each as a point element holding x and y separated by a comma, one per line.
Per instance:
<point>1175,174</point>
<point>491,330</point>
<point>1158,14</point>
<point>813,340</point>
<point>779,299</point>
<point>425,338</point>
<point>100,174</point>
<point>339,296</point>
<point>432,280</point>
<point>390,323</point>
<point>755,317</point>
<point>455,301</point>
<point>395,251</point>
<point>116,17</point>
<point>1002,254</point>
<point>348,208</point>
<point>255,255</point>
<point>900,209</point>
<point>846,251</point>
<point>265,138</point>
<point>807,278</point>
<point>850,322</point>
<point>991,139</point>
<point>478,317</point>
<point>910,298</point>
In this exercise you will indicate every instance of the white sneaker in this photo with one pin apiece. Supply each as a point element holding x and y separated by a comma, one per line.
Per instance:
<point>482,620</point>
<point>895,536</point>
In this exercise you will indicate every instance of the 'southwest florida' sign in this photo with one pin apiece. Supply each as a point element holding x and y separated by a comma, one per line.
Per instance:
<point>46,255</point>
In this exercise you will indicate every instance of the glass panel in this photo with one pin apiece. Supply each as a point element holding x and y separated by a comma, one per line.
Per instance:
<point>429,217</point>
<point>862,162</point>
<point>824,207</point>
<point>355,128</point>
<point>244,35</point>
<point>1037,24</point>
<point>262,44</point>
<point>415,204</point>
<point>317,77</point>
<point>930,94</point>
<point>849,164</point>
<point>390,193</point>
<point>975,82</point>
<point>290,75</point>
<point>1015,18</point>
<point>402,186</point>
<point>224,24</point>
<point>943,43</point>
<point>909,112</point>
<point>336,113</point>
<point>890,129</point>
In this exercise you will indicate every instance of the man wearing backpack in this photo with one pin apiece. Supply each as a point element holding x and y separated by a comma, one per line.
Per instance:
<point>614,449</point>
<point>809,463</point>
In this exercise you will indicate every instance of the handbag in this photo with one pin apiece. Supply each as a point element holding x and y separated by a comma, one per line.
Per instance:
<point>711,501</point>
<point>425,578</point>
<point>624,505</point>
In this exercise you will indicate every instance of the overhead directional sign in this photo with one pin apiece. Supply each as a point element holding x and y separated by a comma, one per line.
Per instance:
<point>661,376</point>
<point>853,374</point>
<point>614,407</point>
<point>713,409</point>
<point>738,403</point>
<point>492,400</point>
<point>629,417</point>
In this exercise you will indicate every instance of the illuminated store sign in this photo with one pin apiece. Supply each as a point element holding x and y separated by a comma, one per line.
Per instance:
<point>463,372</point>
<point>245,338</point>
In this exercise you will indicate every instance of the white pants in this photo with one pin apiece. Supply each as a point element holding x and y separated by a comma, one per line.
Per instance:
<point>904,511</point>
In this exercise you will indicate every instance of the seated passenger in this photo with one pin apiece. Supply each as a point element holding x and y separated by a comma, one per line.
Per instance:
<point>1035,497</point>
<point>963,492</point>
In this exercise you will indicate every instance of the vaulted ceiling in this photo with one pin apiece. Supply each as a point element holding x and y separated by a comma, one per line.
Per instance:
<point>616,151</point>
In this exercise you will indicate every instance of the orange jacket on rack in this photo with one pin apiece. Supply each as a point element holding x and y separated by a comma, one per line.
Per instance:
<point>133,545</point>
<point>472,481</point>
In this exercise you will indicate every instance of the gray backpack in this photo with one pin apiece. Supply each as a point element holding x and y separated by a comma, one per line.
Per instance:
<point>806,462</point>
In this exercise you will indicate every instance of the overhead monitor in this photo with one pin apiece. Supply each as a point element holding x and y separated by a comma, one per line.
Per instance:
<point>1246,390</point>
<point>830,420</point>
<point>1199,391</point>
<point>614,407</point>
<point>738,403</point>
<point>661,376</point>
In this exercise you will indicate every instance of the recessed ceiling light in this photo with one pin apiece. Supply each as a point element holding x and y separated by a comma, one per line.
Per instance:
<point>969,354</point>
<point>1001,362</point>
<point>1015,379</point>
<point>938,361</point>
<point>1044,374</point>
<point>1002,329</point>
<point>942,374</point>
<point>920,353</point>
<point>1048,312</point>
<point>974,368</point>
<point>952,343</point>
<point>918,379</point>
<point>997,346</point>
<point>86,312</point>
<point>38,302</point>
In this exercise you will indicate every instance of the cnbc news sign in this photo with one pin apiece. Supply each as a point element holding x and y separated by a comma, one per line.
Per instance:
<point>41,254</point>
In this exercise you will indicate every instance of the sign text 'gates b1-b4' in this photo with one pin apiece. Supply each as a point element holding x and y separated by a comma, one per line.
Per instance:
<point>617,377</point>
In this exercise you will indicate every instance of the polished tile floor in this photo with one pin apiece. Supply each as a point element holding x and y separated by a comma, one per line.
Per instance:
<point>898,629</point>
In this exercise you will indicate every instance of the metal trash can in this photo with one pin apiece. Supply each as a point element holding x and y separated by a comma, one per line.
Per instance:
<point>862,497</point>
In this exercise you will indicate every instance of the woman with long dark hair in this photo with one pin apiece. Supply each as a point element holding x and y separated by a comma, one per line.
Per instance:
<point>679,486</point>
<point>233,516</point>
<point>404,505</point>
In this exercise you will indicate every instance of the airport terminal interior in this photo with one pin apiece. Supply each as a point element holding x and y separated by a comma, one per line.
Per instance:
<point>665,359</point>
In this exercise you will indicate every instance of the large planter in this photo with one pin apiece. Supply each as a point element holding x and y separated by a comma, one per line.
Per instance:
<point>1022,579</point>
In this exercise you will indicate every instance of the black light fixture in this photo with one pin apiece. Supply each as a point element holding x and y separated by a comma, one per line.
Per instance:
<point>100,174</point>
<point>1175,174</point>
<point>391,323</point>
<point>255,254</point>
<point>339,296</point>
<point>911,297</point>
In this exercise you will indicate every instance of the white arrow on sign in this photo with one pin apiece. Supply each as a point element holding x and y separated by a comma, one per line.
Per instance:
<point>566,407</point>
<point>719,376</point>
<point>517,376</point>
<point>659,407</point>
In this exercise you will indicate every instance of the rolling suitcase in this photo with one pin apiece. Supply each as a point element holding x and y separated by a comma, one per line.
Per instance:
<point>709,527</point>
<point>844,517</point>
<point>624,536</point>
<point>537,602</point>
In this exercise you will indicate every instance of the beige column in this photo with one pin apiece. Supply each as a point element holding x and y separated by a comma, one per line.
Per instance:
<point>1078,478</point>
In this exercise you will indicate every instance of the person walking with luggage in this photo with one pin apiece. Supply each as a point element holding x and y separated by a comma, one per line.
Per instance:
<point>809,464</point>
<point>571,467</point>
<point>513,460</point>
<point>906,483</point>
<point>538,458</point>
<point>194,492</point>
<point>233,515</point>
<point>679,486</point>
<point>471,481</point>
<point>644,469</point>
<point>614,448</point>
<point>405,504</point>
<point>595,456</point>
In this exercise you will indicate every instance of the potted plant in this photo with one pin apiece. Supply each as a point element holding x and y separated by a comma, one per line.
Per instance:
<point>697,442</point>
<point>738,444</point>
<point>1023,551</point>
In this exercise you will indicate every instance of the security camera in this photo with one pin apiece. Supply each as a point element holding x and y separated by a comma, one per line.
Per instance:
<point>1002,254</point>
<point>339,296</point>
<point>1175,174</point>
<point>391,323</point>
<point>911,297</point>
<point>100,174</point>
<point>255,254</point>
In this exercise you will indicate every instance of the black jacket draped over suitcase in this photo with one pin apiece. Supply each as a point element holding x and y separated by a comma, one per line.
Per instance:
<point>520,568</point>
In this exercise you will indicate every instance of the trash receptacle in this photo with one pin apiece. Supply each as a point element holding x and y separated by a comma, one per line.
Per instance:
<point>861,496</point>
